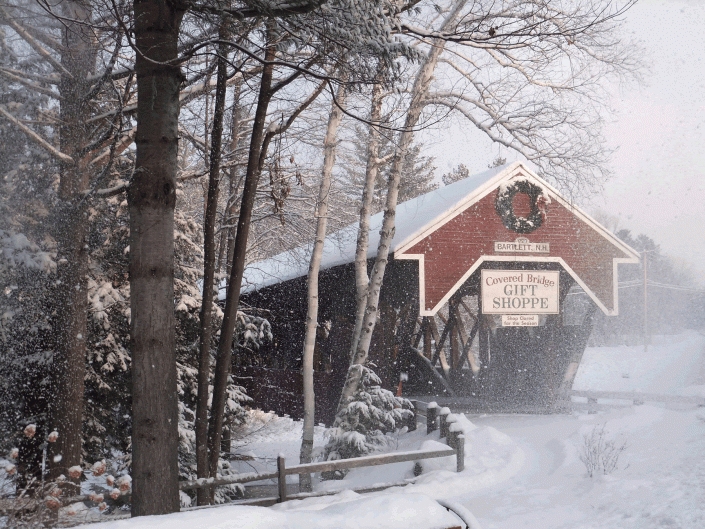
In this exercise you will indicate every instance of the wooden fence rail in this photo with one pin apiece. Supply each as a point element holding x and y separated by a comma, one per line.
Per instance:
<point>325,466</point>
<point>358,462</point>
<point>635,398</point>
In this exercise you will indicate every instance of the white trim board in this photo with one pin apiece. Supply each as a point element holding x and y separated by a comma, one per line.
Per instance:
<point>508,174</point>
<point>502,258</point>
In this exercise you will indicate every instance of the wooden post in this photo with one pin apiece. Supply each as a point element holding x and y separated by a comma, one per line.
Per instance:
<point>411,422</point>
<point>484,346</point>
<point>456,440</point>
<point>454,322</point>
<point>443,414</point>
<point>460,451</point>
<point>431,414</point>
<point>281,470</point>
<point>592,405</point>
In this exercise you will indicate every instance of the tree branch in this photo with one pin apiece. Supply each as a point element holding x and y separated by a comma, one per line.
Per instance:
<point>283,127</point>
<point>37,138</point>
<point>36,88</point>
<point>49,78</point>
<point>33,42</point>
<point>284,11</point>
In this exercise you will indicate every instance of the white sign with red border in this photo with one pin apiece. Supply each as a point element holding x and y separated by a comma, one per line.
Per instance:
<point>519,291</point>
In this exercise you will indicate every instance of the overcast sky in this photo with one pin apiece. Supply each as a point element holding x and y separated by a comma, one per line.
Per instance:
<point>659,183</point>
<point>659,129</point>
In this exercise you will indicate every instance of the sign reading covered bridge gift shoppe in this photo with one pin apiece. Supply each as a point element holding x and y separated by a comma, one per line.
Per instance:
<point>514,216</point>
<point>519,292</point>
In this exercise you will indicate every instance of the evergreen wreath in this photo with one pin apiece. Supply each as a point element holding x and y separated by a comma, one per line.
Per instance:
<point>504,208</point>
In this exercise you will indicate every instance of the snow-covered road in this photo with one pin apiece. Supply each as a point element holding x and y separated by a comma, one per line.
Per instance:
<point>660,479</point>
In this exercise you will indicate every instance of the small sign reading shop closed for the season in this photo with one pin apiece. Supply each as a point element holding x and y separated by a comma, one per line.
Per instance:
<point>519,292</point>
<point>520,320</point>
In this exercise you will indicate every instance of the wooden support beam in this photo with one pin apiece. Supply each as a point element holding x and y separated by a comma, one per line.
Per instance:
<point>439,346</point>
<point>422,324</point>
<point>484,343</point>
<point>432,370</point>
<point>468,345</point>
<point>468,310</point>
<point>466,340</point>
<point>454,346</point>
<point>458,358</point>
<point>427,339</point>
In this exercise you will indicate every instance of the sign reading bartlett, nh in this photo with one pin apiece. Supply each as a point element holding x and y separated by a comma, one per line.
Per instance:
<point>522,244</point>
<point>519,292</point>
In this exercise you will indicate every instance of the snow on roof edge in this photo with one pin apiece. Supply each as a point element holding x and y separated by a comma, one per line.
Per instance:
<point>339,247</point>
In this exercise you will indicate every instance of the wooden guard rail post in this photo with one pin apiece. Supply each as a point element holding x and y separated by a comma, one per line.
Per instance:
<point>431,416</point>
<point>444,414</point>
<point>428,410</point>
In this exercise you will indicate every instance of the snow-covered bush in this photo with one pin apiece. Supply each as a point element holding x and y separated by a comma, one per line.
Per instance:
<point>365,423</point>
<point>600,453</point>
<point>31,502</point>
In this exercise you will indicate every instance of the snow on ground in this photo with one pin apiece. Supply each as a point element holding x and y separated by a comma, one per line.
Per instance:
<point>521,470</point>
<point>669,366</point>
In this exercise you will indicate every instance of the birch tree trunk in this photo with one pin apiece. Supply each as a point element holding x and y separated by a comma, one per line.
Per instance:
<point>418,95</point>
<point>363,234</point>
<point>151,199</point>
<point>204,496</point>
<point>329,146</point>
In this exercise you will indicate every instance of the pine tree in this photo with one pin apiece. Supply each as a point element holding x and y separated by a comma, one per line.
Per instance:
<point>367,420</point>
<point>27,275</point>
<point>457,173</point>
<point>417,177</point>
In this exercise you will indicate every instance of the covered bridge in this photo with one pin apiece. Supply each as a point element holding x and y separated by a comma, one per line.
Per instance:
<point>477,299</point>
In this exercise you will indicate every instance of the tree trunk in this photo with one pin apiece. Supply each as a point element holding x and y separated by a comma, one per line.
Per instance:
<point>66,408</point>
<point>418,94</point>
<point>151,198</point>
<point>363,234</point>
<point>233,180</point>
<point>204,496</point>
<point>329,145</point>
<point>225,344</point>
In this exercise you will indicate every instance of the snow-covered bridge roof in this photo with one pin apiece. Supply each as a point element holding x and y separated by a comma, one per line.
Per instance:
<point>339,247</point>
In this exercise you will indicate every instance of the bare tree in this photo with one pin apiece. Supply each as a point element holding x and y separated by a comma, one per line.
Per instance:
<point>374,284</point>
<point>209,259</point>
<point>329,145</point>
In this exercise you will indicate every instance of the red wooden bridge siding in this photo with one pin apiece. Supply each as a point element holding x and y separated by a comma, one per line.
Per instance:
<point>455,247</point>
